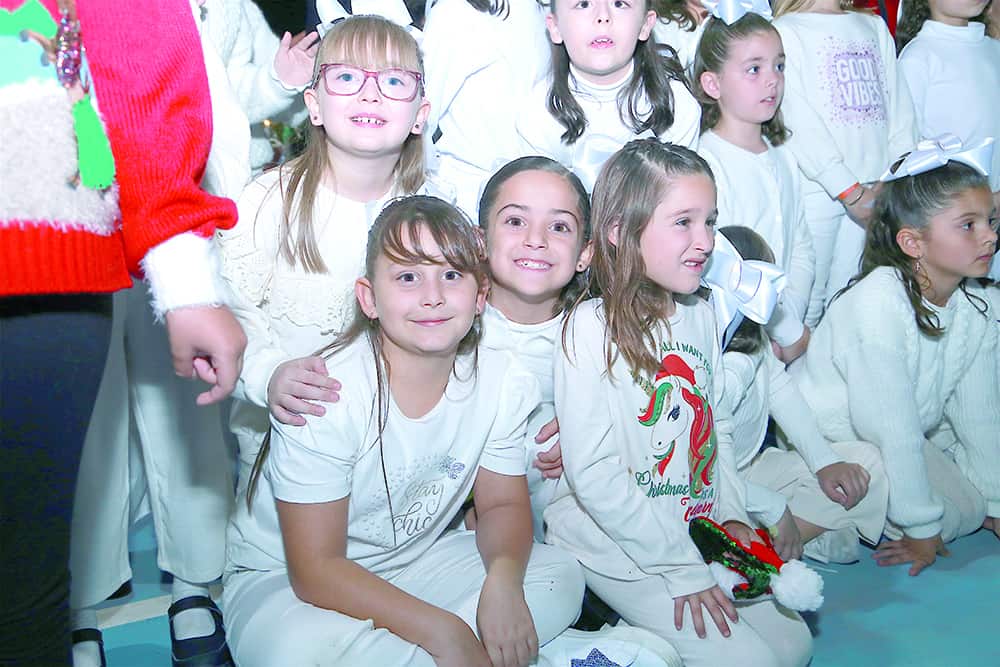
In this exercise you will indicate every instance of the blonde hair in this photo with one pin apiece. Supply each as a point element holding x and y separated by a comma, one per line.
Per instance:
<point>782,7</point>
<point>368,40</point>
<point>631,185</point>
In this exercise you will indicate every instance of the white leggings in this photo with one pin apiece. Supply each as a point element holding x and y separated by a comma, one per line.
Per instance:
<point>837,243</point>
<point>268,626</point>
<point>766,635</point>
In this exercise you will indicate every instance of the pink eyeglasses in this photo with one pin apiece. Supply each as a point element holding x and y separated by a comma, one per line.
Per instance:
<point>395,84</point>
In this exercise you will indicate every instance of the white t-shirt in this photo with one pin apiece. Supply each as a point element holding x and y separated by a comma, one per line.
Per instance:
<point>430,463</point>
<point>643,456</point>
<point>848,109</point>
<point>533,345</point>
<point>605,132</point>
<point>763,191</point>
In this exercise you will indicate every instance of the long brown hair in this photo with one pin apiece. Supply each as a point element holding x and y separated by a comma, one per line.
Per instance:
<point>655,67</point>
<point>631,185</point>
<point>396,235</point>
<point>711,56</point>
<point>910,202</point>
<point>372,40</point>
<point>578,285</point>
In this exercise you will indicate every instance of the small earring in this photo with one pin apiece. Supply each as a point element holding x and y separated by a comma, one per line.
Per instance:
<point>580,267</point>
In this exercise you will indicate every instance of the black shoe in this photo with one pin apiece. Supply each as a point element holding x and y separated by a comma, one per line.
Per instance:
<point>595,613</point>
<point>91,635</point>
<point>210,651</point>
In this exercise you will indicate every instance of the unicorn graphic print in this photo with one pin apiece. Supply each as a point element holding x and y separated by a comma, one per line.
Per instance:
<point>677,407</point>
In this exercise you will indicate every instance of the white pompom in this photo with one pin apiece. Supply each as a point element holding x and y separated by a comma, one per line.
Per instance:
<point>726,578</point>
<point>798,587</point>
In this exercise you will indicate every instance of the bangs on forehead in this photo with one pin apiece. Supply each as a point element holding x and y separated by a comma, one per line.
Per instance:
<point>371,42</point>
<point>459,249</point>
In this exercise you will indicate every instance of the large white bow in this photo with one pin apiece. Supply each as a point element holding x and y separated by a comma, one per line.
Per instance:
<point>393,10</point>
<point>590,155</point>
<point>939,151</point>
<point>740,288</point>
<point>732,11</point>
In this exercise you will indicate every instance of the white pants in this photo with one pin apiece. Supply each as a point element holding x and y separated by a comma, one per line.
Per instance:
<point>766,635</point>
<point>147,428</point>
<point>837,243</point>
<point>268,626</point>
<point>787,473</point>
<point>964,505</point>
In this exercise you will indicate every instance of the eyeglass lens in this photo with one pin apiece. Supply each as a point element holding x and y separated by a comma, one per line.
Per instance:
<point>396,84</point>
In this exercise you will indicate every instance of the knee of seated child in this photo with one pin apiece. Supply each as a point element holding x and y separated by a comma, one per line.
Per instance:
<point>796,647</point>
<point>558,577</point>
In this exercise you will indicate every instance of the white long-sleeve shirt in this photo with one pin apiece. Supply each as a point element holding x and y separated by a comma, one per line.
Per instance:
<point>946,66</point>
<point>848,109</point>
<point>758,387</point>
<point>870,374</point>
<point>642,456</point>
<point>764,192</point>
<point>479,69</point>
<point>605,132</point>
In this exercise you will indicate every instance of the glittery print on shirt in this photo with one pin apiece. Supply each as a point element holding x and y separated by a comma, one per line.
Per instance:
<point>679,406</point>
<point>854,81</point>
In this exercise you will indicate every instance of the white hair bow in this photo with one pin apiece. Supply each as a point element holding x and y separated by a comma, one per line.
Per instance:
<point>393,10</point>
<point>590,155</point>
<point>740,288</point>
<point>939,151</point>
<point>732,11</point>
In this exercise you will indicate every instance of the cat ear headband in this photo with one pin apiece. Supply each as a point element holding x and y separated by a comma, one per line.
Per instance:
<point>732,11</point>
<point>939,151</point>
<point>740,288</point>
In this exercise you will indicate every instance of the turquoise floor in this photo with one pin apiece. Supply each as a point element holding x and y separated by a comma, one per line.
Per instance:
<point>873,617</point>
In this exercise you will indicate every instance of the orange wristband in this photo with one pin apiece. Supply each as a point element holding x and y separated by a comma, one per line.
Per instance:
<point>843,195</point>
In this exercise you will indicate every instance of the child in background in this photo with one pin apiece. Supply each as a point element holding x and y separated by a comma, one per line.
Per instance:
<point>482,59</point>
<point>294,255</point>
<point>849,114</point>
<point>820,495</point>
<point>646,448</point>
<point>679,25</point>
<point>739,79</point>
<point>913,338</point>
<point>610,84</point>
<point>947,56</point>
<point>536,217</point>
<point>342,557</point>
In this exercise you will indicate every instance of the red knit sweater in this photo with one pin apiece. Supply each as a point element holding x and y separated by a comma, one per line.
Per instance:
<point>149,78</point>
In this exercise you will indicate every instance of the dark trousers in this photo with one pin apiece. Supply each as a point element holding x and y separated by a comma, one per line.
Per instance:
<point>52,353</point>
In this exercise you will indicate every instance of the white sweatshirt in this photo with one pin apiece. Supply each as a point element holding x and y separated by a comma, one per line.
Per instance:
<point>764,192</point>
<point>949,65</point>
<point>605,132</point>
<point>479,70</point>
<point>850,114</point>
<point>758,387</point>
<point>641,456</point>
<point>869,374</point>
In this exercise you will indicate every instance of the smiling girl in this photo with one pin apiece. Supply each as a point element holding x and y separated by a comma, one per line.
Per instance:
<point>645,451</point>
<point>343,557</point>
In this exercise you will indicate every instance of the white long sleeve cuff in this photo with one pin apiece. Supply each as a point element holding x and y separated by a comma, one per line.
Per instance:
<point>183,272</point>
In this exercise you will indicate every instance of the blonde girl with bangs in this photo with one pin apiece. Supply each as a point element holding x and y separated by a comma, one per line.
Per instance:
<point>341,554</point>
<point>646,448</point>
<point>292,258</point>
<point>849,113</point>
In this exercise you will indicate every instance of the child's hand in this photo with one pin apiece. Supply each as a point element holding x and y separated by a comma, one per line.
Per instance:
<point>459,647</point>
<point>796,349</point>
<point>742,533</point>
<point>505,624</point>
<point>844,483</point>
<point>549,462</point>
<point>294,384</point>
<point>294,60</point>
<point>861,210</point>
<point>921,552</point>
<point>713,600</point>
<point>787,540</point>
